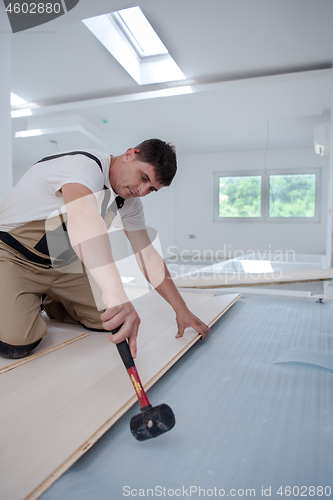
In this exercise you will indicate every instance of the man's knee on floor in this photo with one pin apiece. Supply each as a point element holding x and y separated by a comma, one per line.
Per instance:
<point>16,351</point>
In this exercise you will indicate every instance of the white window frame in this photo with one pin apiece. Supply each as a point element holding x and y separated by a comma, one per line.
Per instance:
<point>265,196</point>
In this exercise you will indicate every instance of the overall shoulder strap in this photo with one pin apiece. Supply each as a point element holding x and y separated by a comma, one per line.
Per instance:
<point>72,153</point>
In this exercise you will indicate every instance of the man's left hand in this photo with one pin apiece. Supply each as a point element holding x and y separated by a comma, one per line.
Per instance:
<point>186,319</point>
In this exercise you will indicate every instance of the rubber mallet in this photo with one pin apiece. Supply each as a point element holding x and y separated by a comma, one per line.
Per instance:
<point>153,420</point>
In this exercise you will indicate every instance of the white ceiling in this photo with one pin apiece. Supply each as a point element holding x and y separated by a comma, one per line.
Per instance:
<point>253,65</point>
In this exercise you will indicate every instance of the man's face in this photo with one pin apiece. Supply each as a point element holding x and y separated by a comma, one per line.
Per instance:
<point>132,178</point>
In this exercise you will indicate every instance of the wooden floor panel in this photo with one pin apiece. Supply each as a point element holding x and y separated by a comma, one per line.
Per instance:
<point>229,280</point>
<point>57,406</point>
<point>57,337</point>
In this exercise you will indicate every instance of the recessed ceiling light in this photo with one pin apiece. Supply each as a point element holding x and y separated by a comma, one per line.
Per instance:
<point>15,100</point>
<point>28,133</point>
<point>175,91</point>
<point>17,113</point>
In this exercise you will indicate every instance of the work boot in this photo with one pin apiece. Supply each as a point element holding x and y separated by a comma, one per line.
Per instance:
<point>17,351</point>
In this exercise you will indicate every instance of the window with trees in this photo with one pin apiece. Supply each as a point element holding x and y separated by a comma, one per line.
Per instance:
<point>262,196</point>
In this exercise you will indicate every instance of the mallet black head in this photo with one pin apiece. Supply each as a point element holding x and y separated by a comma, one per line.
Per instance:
<point>152,422</point>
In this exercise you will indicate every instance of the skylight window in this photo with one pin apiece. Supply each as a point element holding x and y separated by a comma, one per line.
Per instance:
<point>132,41</point>
<point>140,32</point>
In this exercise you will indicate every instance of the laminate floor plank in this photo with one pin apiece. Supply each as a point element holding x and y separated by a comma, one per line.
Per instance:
<point>56,407</point>
<point>233,279</point>
<point>58,336</point>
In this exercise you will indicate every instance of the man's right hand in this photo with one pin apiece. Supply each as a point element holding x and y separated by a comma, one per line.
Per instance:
<point>125,315</point>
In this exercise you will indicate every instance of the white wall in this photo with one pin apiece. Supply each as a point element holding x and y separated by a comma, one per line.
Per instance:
<point>186,208</point>
<point>160,213</point>
<point>6,183</point>
<point>329,235</point>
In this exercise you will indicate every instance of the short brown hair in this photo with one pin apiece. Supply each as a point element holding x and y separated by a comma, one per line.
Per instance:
<point>162,156</point>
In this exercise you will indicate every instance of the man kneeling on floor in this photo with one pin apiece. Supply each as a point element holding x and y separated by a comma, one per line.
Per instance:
<point>56,217</point>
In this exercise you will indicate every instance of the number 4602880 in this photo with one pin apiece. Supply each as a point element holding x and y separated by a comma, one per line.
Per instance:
<point>304,491</point>
<point>34,8</point>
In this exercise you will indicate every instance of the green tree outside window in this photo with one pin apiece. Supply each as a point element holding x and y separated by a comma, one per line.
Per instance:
<point>240,196</point>
<point>292,195</point>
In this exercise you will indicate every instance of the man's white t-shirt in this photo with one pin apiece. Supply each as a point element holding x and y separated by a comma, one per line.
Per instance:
<point>37,194</point>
